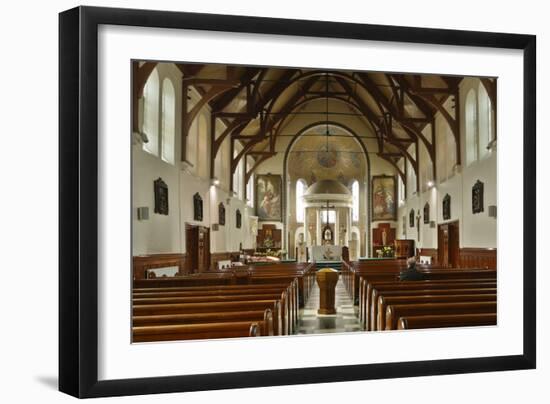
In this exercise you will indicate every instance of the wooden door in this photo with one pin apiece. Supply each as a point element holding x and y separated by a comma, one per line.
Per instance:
<point>443,245</point>
<point>203,249</point>
<point>454,245</point>
<point>191,244</point>
<point>448,243</point>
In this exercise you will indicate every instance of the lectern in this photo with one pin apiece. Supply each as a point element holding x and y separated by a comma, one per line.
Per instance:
<point>327,278</point>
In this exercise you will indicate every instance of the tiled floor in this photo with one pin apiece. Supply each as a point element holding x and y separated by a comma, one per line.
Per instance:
<point>345,319</point>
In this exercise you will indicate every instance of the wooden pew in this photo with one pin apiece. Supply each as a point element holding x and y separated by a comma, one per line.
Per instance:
<point>190,308</point>
<point>451,297</point>
<point>394,312</point>
<point>442,321</point>
<point>197,331</point>
<point>365,298</point>
<point>370,309</point>
<point>287,307</point>
<point>200,318</point>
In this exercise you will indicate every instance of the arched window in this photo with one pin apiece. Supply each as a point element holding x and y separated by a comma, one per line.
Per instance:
<point>300,189</point>
<point>203,157</point>
<point>355,200</point>
<point>191,149</point>
<point>250,191</point>
<point>168,121</point>
<point>446,150</point>
<point>151,113</point>
<point>471,127</point>
<point>485,122</point>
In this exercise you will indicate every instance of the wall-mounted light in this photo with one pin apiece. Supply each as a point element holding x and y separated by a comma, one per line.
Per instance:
<point>143,213</point>
<point>430,184</point>
<point>215,181</point>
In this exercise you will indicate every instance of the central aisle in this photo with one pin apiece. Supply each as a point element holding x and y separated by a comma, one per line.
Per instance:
<point>345,319</point>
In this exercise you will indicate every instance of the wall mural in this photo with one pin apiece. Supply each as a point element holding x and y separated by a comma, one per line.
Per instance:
<point>384,190</point>
<point>313,158</point>
<point>269,197</point>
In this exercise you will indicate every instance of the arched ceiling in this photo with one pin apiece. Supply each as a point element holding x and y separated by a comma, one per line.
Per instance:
<point>261,106</point>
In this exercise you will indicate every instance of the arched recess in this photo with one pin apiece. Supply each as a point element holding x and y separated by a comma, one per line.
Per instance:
<point>357,138</point>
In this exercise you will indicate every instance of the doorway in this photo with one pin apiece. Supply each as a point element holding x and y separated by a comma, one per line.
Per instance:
<point>448,242</point>
<point>197,242</point>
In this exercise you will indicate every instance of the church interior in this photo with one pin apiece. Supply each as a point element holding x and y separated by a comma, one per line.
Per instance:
<point>271,201</point>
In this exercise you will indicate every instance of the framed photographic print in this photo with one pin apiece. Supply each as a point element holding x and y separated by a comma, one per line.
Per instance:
<point>384,191</point>
<point>228,110</point>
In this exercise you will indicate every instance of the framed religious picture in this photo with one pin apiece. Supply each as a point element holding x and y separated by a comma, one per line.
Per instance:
<point>221,214</point>
<point>426,213</point>
<point>447,207</point>
<point>197,207</point>
<point>269,197</point>
<point>384,191</point>
<point>161,197</point>
<point>238,219</point>
<point>477,197</point>
<point>342,105</point>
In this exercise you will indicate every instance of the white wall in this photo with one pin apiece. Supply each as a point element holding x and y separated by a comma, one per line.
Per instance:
<point>32,380</point>
<point>476,230</point>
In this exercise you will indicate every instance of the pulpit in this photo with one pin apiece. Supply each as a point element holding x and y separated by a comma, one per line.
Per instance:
<point>327,279</point>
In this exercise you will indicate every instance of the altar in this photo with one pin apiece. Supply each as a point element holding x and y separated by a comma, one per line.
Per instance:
<point>320,253</point>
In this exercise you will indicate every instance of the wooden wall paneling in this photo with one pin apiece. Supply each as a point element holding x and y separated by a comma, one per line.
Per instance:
<point>141,263</point>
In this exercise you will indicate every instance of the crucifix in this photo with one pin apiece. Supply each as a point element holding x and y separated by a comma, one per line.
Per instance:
<point>327,232</point>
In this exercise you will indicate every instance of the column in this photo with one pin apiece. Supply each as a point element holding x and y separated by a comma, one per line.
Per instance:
<point>318,228</point>
<point>349,224</point>
<point>337,227</point>
<point>306,237</point>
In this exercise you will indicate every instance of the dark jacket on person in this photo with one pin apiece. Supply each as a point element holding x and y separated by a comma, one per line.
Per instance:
<point>411,274</point>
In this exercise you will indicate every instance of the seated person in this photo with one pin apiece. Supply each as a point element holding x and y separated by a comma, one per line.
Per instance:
<point>411,273</point>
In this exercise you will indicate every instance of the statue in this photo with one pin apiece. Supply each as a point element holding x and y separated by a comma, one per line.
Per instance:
<point>384,237</point>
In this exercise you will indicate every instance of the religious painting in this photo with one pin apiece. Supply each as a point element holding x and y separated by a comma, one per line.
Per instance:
<point>426,213</point>
<point>384,191</point>
<point>161,197</point>
<point>269,197</point>
<point>411,218</point>
<point>221,214</point>
<point>447,207</point>
<point>477,197</point>
<point>238,219</point>
<point>197,207</point>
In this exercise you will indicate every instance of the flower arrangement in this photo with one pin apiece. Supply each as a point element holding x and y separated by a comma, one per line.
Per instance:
<point>387,251</point>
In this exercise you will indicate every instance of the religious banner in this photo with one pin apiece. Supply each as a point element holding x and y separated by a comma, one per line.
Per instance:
<point>269,197</point>
<point>384,190</point>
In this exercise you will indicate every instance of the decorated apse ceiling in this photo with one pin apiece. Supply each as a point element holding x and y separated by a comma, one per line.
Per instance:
<point>315,156</point>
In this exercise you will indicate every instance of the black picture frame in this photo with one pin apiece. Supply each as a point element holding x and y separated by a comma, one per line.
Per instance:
<point>446,207</point>
<point>78,184</point>
<point>161,196</point>
<point>426,213</point>
<point>477,197</point>
<point>238,219</point>
<point>221,214</point>
<point>197,207</point>
<point>411,218</point>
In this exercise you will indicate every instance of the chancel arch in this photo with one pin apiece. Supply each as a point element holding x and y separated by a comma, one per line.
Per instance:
<point>330,154</point>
